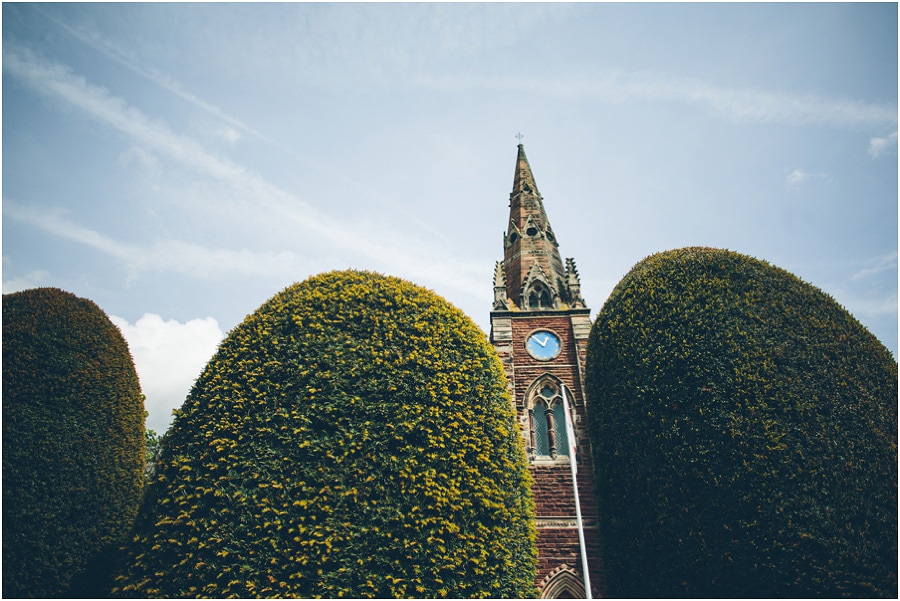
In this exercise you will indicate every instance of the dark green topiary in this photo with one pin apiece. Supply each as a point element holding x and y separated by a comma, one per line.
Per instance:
<point>744,427</point>
<point>73,443</point>
<point>353,437</point>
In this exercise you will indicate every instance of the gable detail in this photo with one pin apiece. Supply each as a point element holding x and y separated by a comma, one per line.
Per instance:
<point>538,292</point>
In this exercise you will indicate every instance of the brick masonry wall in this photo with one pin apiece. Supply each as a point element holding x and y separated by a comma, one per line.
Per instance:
<point>559,546</point>
<point>553,493</point>
<point>565,366</point>
<point>557,539</point>
<point>555,503</point>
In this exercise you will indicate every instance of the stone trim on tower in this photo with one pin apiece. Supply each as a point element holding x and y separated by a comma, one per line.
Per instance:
<point>563,582</point>
<point>573,283</point>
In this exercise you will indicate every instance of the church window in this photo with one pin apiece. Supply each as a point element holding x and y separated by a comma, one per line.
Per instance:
<point>559,423</point>
<point>541,439</point>
<point>539,297</point>
<point>548,434</point>
<point>532,231</point>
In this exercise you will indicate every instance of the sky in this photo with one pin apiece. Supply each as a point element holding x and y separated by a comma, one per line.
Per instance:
<point>180,164</point>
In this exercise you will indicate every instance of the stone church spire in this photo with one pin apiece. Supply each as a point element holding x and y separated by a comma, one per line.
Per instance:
<point>540,328</point>
<point>534,274</point>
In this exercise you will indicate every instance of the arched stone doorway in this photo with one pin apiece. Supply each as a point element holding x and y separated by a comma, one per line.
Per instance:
<point>563,583</point>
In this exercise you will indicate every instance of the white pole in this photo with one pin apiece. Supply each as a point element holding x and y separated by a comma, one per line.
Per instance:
<point>570,434</point>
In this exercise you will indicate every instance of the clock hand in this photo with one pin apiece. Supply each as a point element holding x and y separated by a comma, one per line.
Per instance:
<point>544,343</point>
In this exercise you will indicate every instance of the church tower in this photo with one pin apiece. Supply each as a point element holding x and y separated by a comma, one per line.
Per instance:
<point>540,327</point>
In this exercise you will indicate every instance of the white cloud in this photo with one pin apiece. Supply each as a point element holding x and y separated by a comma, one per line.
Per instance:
<point>876,307</point>
<point>33,279</point>
<point>391,251</point>
<point>230,135</point>
<point>739,104</point>
<point>56,223</point>
<point>876,266</point>
<point>799,176</point>
<point>879,146</point>
<point>866,304</point>
<point>57,81</point>
<point>121,56</point>
<point>193,259</point>
<point>164,255</point>
<point>796,177</point>
<point>139,156</point>
<point>168,356</point>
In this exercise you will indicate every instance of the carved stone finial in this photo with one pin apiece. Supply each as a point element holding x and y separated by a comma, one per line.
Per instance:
<point>573,282</point>
<point>500,300</point>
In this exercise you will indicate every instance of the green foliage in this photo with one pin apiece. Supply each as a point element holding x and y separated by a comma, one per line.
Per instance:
<point>744,427</point>
<point>351,438</point>
<point>152,448</point>
<point>73,452</point>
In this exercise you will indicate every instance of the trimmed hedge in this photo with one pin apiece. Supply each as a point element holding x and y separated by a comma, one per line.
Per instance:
<point>353,437</point>
<point>745,435</point>
<point>73,443</point>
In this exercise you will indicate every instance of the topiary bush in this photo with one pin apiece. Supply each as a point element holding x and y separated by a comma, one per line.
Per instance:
<point>353,437</point>
<point>73,443</point>
<point>744,429</point>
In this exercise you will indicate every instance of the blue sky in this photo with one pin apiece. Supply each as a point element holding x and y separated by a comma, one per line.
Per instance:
<point>179,164</point>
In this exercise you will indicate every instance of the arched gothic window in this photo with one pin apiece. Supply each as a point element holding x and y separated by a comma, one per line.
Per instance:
<point>539,297</point>
<point>547,422</point>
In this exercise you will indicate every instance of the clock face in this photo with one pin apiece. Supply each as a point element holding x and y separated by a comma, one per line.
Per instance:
<point>543,345</point>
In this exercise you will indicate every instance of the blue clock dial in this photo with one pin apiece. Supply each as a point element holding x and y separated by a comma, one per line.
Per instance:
<point>543,345</point>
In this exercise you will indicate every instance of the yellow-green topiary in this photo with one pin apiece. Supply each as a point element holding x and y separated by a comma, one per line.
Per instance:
<point>744,427</point>
<point>73,443</point>
<point>351,438</point>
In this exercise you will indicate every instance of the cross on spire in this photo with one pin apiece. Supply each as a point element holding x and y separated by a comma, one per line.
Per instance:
<point>519,137</point>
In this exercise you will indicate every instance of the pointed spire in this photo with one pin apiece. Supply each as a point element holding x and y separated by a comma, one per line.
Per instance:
<point>523,181</point>
<point>528,242</point>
